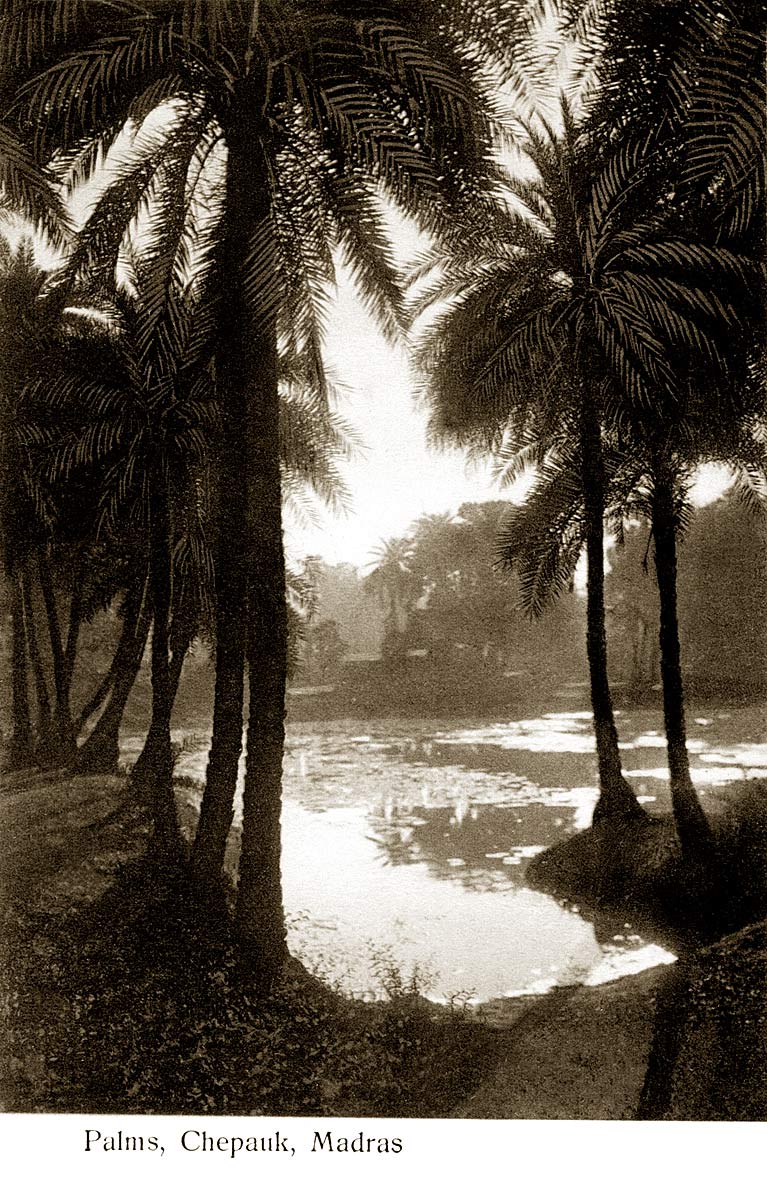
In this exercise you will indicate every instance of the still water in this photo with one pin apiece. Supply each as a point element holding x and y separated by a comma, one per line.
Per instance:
<point>406,841</point>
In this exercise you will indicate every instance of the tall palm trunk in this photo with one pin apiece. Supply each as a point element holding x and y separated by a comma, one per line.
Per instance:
<point>691,822</point>
<point>43,730</point>
<point>20,749</point>
<point>159,776</point>
<point>54,626</point>
<point>99,753</point>
<point>260,915</point>
<point>217,807</point>
<point>617,801</point>
<point>249,357</point>
<point>70,649</point>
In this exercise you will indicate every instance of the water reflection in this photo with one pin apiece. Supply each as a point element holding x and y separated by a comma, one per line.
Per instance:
<point>416,834</point>
<point>482,846</point>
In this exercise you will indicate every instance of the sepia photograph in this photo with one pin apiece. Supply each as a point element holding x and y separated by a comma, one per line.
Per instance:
<point>383,637</point>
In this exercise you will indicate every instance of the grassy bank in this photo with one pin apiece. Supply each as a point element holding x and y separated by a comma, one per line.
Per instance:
<point>121,995</point>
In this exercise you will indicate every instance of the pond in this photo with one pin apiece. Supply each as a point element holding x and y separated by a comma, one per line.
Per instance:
<point>406,842</point>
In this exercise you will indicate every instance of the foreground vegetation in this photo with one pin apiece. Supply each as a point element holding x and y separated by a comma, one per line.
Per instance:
<point>114,1002</point>
<point>122,992</point>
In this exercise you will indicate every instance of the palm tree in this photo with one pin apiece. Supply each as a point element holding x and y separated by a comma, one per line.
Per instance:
<point>99,752</point>
<point>391,580</point>
<point>513,354</point>
<point>691,73</point>
<point>143,428</point>
<point>561,324</point>
<point>720,419</point>
<point>312,107</point>
<point>544,536</point>
<point>20,282</point>
<point>36,334</point>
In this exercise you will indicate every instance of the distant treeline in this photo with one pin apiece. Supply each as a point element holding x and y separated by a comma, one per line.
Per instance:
<point>437,628</point>
<point>450,634</point>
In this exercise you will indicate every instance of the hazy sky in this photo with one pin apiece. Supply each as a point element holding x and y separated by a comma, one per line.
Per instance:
<point>395,477</point>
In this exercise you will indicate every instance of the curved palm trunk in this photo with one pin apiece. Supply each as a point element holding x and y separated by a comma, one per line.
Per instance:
<point>691,822</point>
<point>617,801</point>
<point>106,682</point>
<point>74,625</point>
<point>141,769</point>
<point>43,730</point>
<point>99,753</point>
<point>159,771</point>
<point>20,749</point>
<point>54,627</point>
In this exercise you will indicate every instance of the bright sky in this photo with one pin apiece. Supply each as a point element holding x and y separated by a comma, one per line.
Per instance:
<point>395,476</point>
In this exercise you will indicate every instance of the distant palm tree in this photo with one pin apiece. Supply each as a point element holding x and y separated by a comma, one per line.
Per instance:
<point>392,581</point>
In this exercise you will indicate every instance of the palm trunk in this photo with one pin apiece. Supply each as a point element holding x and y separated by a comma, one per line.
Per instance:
<point>73,629</point>
<point>249,365</point>
<point>260,915</point>
<point>54,627</point>
<point>617,801</point>
<point>159,773</point>
<point>38,670</point>
<point>691,822</point>
<point>104,686</point>
<point>141,768</point>
<point>20,750</point>
<point>63,656</point>
<point>217,807</point>
<point>134,599</point>
<point>99,754</point>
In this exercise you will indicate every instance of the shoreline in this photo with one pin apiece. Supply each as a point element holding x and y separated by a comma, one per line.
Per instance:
<point>578,1052</point>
